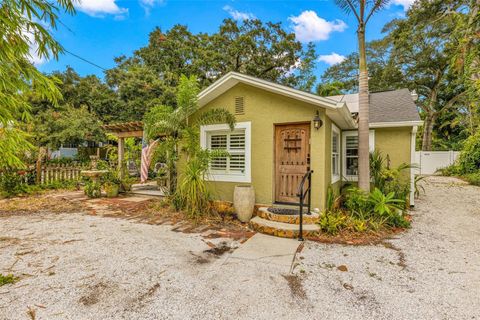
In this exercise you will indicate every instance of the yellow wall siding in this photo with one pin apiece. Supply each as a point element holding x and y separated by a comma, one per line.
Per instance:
<point>395,142</point>
<point>264,109</point>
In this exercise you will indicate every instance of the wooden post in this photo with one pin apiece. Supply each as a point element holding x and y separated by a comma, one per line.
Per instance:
<point>121,153</point>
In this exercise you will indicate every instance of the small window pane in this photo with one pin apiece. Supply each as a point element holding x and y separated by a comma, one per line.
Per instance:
<point>237,141</point>
<point>237,163</point>
<point>352,142</point>
<point>219,164</point>
<point>352,166</point>
<point>218,141</point>
<point>335,142</point>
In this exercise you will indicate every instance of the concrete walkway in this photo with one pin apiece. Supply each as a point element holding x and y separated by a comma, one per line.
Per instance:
<point>267,249</point>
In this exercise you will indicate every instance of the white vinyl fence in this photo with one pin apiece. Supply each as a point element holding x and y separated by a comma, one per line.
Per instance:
<point>431,161</point>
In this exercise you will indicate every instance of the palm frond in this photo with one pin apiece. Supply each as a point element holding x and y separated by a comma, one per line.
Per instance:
<point>375,6</point>
<point>214,116</point>
<point>349,6</point>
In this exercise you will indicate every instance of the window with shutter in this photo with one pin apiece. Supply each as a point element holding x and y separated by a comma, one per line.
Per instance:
<point>350,153</point>
<point>234,167</point>
<point>335,154</point>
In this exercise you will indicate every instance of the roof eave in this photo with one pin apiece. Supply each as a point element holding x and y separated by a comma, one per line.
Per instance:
<point>232,78</point>
<point>396,124</point>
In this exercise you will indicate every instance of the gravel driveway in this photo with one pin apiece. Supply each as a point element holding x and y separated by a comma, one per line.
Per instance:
<point>76,266</point>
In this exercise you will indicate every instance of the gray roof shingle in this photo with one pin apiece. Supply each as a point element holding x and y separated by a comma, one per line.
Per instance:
<point>385,106</point>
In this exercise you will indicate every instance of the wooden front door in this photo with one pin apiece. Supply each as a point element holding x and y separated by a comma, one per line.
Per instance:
<point>292,159</point>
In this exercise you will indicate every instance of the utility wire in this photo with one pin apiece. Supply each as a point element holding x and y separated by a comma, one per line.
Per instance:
<point>85,60</point>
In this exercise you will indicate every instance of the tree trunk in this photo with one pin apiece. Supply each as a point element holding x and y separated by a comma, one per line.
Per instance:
<point>363,117</point>
<point>427,132</point>
<point>429,121</point>
<point>41,155</point>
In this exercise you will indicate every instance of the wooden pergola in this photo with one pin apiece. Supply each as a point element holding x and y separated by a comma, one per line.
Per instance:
<point>122,131</point>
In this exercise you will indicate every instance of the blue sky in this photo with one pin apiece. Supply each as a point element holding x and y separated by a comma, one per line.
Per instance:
<point>104,29</point>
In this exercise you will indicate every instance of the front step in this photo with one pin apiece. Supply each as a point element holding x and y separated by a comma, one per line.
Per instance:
<point>287,218</point>
<point>281,229</point>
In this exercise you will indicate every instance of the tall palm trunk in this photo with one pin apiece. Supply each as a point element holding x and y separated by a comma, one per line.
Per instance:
<point>363,117</point>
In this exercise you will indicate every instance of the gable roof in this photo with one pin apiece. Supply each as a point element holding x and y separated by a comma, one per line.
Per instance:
<point>387,108</point>
<point>337,111</point>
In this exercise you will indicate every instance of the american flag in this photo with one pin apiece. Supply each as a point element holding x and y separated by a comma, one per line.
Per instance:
<point>147,151</point>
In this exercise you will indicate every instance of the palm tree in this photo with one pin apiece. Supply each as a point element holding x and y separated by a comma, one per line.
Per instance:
<point>177,127</point>
<point>363,11</point>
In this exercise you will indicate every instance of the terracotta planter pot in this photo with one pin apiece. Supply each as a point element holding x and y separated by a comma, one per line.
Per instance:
<point>244,202</point>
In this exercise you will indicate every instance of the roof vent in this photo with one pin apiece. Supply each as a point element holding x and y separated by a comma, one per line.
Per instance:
<point>239,105</point>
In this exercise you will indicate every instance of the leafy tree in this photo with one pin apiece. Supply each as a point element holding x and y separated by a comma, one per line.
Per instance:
<point>424,47</point>
<point>139,88</point>
<point>78,92</point>
<point>52,128</point>
<point>252,47</point>
<point>363,11</point>
<point>330,88</point>
<point>383,73</point>
<point>23,24</point>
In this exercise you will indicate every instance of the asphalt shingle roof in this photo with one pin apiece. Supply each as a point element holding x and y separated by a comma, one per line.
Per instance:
<point>385,106</point>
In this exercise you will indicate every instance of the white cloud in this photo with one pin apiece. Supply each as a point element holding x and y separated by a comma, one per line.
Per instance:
<point>99,8</point>
<point>310,27</point>
<point>147,5</point>
<point>332,58</point>
<point>238,15</point>
<point>406,4</point>
<point>33,56</point>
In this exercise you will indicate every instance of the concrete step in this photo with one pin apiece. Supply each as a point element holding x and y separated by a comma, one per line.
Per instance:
<point>311,218</point>
<point>281,229</point>
<point>153,193</point>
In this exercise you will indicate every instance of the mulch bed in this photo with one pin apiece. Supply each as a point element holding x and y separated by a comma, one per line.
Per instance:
<point>41,203</point>
<point>357,238</point>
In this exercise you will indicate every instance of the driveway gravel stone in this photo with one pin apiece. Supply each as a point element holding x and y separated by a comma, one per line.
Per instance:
<point>78,266</point>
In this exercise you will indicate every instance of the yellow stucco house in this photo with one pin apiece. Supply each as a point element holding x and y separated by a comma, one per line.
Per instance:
<point>278,137</point>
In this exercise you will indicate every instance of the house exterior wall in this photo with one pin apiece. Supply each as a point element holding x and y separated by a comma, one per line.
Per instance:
<point>264,109</point>
<point>396,143</point>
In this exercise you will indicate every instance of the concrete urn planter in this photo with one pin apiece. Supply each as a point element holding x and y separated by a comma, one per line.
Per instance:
<point>244,202</point>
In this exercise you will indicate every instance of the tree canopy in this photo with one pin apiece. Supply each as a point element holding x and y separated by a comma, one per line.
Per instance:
<point>24,33</point>
<point>432,52</point>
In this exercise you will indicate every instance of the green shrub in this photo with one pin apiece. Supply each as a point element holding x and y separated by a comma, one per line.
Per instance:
<point>473,178</point>
<point>469,159</point>
<point>93,189</point>
<point>332,222</point>
<point>356,203</point>
<point>12,184</point>
<point>388,208</point>
<point>451,170</point>
<point>389,179</point>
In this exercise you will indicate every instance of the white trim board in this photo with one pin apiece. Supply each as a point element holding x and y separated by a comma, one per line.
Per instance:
<point>395,124</point>
<point>337,111</point>
<point>336,178</point>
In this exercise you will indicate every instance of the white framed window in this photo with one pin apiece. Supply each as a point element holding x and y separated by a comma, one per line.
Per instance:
<point>350,153</point>
<point>235,167</point>
<point>335,154</point>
